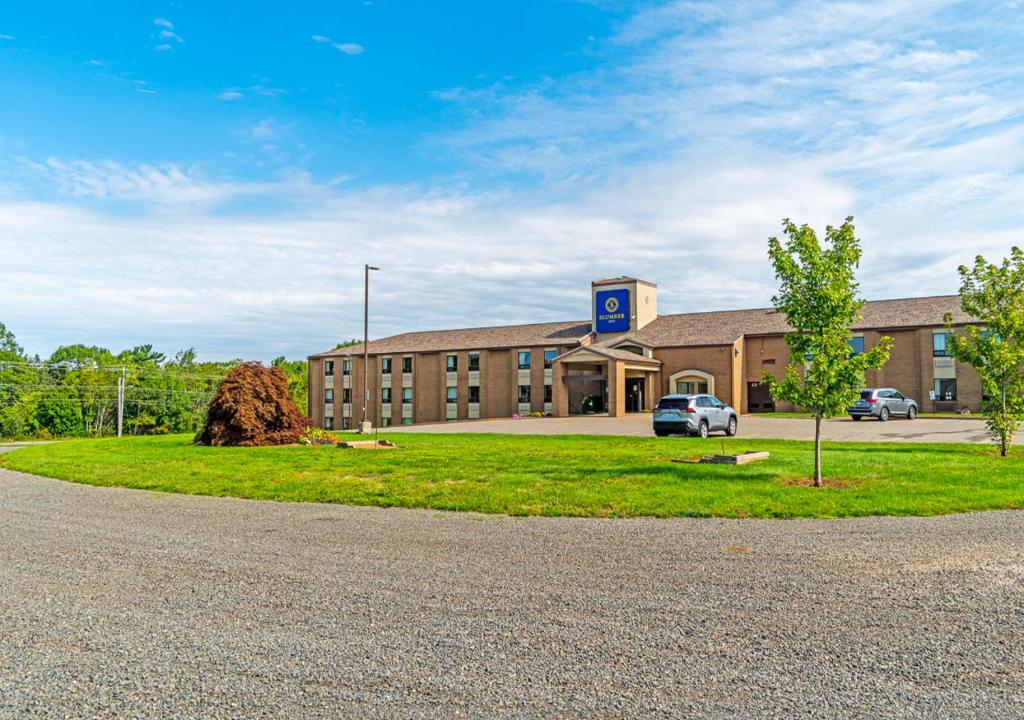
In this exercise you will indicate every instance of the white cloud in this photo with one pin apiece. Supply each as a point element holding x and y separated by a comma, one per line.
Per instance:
<point>163,47</point>
<point>349,48</point>
<point>170,35</point>
<point>230,95</point>
<point>162,22</point>
<point>7,37</point>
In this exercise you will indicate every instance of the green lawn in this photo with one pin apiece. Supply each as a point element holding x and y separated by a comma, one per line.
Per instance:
<point>574,475</point>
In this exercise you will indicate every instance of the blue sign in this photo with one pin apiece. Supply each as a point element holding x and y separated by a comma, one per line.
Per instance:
<point>612,311</point>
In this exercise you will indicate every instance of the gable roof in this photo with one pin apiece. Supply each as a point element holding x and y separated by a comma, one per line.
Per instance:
<point>720,327</point>
<point>610,353</point>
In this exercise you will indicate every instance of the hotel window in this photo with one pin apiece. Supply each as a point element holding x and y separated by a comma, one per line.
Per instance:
<point>329,422</point>
<point>385,366</point>
<point>856,345</point>
<point>407,364</point>
<point>547,393</point>
<point>474,362</point>
<point>385,395</point>
<point>945,389</point>
<point>385,422</point>
<point>407,421</point>
<point>939,345</point>
<point>329,368</point>
<point>452,363</point>
<point>524,359</point>
<point>406,396</point>
<point>453,394</point>
<point>549,357</point>
<point>345,423</point>
<point>474,393</point>
<point>524,393</point>
<point>346,395</point>
<point>329,395</point>
<point>346,367</point>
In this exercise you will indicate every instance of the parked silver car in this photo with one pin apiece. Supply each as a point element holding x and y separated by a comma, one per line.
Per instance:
<point>883,403</point>
<point>693,415</point>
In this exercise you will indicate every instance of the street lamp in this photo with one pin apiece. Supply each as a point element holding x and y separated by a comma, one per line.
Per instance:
<point>366,340</point>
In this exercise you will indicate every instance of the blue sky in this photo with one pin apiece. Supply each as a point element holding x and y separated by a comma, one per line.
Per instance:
<point>191,175</point>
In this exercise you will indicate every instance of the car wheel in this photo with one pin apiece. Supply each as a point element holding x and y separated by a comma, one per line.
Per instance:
<point>911,413</point>
<point>883,414</point>
<point>730,429</point>
<point>702,429</point>
<point>855,418</point>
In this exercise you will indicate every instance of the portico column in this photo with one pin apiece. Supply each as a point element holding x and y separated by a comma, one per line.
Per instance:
<point>616,388</point>
<point>559,390</point>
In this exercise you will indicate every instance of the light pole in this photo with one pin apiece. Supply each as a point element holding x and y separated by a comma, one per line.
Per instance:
<point>366,340</point>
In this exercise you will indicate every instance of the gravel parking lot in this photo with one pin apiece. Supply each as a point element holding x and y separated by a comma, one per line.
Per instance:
<point>842,429</point>
<point>121,603</point>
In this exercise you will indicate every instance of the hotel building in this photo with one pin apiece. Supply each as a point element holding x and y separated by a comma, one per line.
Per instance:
<point>621,360</point>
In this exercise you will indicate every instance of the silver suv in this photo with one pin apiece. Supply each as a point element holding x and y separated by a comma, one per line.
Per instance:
<point>693,415</point>
<point>882,403</point>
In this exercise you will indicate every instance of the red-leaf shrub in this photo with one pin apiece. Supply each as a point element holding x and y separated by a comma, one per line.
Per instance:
<point>252,407</point>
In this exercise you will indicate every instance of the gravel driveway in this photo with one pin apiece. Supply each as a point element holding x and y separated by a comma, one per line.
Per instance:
<point>121,603</point>
<point>936,430</point>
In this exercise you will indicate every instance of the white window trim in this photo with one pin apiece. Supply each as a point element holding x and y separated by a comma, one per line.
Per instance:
<point>692,373</point>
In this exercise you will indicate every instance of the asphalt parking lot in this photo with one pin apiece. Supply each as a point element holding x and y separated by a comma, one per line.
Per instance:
<point>122,603</point>
<point>966,430</point>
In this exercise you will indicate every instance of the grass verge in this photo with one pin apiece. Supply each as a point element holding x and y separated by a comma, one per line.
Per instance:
<point>587,476</point>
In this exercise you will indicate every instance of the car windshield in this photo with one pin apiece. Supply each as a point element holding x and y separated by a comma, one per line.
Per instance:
<point>865,394</point>
<point>673,404</point>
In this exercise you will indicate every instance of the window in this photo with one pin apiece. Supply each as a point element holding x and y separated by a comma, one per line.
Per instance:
<point>452,363</point>
<point>474,362</point>
<point>346,367</point>
<point>407,364</point>
<point>549,357</point>
<point>524,393</point>
<point>385,395</point>
<point>939,345</point>
<point>452,394</point>
<point>474,393</point>
<point>524,359</point>
<point>945,389</point>
<point>704,401</point>
<point>329,422</point>
<point>329,368</point>
<point>547,393</point>
<point>385,366</point>
<point>329,395</point>
<point>346,395</point>
<point>385,422</point>
<point>345,422</point>
<point>691,387</point>
<point>407,421</point>
<point>406,396</point>
<point>856,345</point>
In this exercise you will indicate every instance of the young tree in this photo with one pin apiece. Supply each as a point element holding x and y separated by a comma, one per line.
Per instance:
<point>994,294</point>
<point>818,295</point>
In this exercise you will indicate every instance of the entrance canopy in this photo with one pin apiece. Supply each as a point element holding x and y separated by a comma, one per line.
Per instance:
<point>625,379</point>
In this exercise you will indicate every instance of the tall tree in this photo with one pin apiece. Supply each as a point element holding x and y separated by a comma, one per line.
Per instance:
<point>994,294</point>
<point>818,294</point>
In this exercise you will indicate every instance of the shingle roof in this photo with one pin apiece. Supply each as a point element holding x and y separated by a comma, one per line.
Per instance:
<point>705,328</point>
<point>726,326</point>
<point>612,353</point>
<point>502,336</point>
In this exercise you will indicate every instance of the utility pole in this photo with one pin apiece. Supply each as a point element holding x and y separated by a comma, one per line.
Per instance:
<point>120,402</point>
<point>366,341</point>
